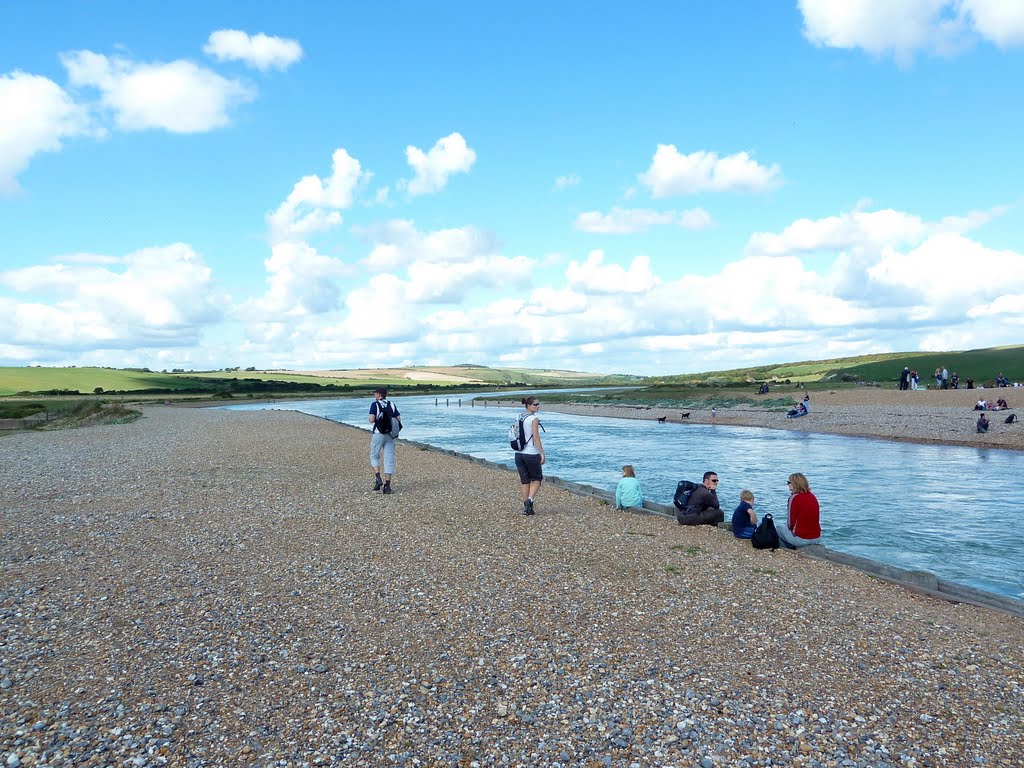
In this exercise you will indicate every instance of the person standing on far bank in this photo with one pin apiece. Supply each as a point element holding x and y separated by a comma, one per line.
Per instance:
<point>382,413</point>
<point>530,458</point>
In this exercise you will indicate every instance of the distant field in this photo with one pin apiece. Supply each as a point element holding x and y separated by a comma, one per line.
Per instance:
<point>33,379</point>
<point>980,364</point>
<point>87,380</point>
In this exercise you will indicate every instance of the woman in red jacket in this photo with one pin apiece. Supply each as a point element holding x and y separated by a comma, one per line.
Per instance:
<point>802,526</point>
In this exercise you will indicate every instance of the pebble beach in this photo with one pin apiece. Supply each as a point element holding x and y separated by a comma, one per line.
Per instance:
<point>211,588</point>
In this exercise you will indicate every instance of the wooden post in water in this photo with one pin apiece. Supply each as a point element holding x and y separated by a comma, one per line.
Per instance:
<point>460,402</point>
<point>446,402</point>
<point>435,402</point>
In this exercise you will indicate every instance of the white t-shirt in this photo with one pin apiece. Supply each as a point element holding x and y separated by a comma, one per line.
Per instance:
<point>531,447</point>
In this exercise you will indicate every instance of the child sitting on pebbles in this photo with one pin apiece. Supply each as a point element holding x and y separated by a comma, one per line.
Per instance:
<point>744,520</point>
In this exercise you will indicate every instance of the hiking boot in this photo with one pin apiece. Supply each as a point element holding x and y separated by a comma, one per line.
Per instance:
<point>528,507</point>
<point>387,488</point>
<point>377,484</point>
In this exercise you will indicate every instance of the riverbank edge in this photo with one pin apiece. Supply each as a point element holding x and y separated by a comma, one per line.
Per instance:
<point>921,582</point>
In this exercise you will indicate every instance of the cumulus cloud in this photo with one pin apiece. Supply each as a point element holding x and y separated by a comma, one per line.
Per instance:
<point>903,27</point>
<point>300,281</point>
<point>178,96</point>
<point>398,243</point>
<point>313,205</point>
<point>1001,21</point>
<point>674,174</point>
<point>449,155</point>
<point>861,229</point>
<point>38,117</point>
<point>259,51</point>
<point>623,221</point>
<point>594,276</point>
<point>161,296</point>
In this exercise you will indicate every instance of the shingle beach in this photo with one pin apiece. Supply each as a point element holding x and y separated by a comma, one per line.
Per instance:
<point>212,588</point>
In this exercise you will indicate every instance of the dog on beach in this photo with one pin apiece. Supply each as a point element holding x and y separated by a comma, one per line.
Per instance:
<point>684,415</point>
<point>661,419</point>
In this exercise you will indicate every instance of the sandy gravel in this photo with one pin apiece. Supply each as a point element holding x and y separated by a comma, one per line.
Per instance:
<point>213,588</point>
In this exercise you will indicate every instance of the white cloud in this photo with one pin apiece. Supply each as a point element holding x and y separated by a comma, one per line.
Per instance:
<point>38,116</point>
<point>451,283</point>
<point>449,155</point>
<point>624,221</point>
<point>594,276</point>
<point>397,244</point>
<point>178,96</point>
<point>260,51</point>
<point>313,203</point>
<point>564,182</point>
<point>861,229</point>
<point>672,173</point>
<point>903,27</point>
<point>943,276</point>
<point>1001,21</point>
<point>161,296</point>
<point>301,282</point>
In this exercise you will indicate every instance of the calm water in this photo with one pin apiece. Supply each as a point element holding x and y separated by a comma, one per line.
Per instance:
<point>953,511</point>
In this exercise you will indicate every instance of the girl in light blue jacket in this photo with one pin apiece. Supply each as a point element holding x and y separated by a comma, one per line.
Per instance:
<point>628,493</point>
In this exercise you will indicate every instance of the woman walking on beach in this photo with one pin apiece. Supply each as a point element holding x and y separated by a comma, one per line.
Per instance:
<point>803,524</point>
<point>530,458</point>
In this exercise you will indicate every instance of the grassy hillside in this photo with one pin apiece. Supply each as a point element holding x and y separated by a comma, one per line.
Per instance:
<point>87,380</point>
<point>980,364</point>
<point>36,379</point>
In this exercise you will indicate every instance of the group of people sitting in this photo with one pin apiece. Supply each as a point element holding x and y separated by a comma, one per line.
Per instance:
<point>802,526</point>
<point>802,408</point>
<point>999,405</point>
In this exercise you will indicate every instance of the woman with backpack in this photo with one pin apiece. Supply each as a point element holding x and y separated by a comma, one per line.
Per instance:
<point>530,457</point>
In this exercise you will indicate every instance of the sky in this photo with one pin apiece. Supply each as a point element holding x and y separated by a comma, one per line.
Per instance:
<point>645,188</point>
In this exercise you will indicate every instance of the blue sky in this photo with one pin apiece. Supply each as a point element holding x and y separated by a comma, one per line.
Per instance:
<point>665,187</point>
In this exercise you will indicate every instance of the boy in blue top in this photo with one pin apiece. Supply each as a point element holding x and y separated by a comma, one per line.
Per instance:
<point>744,521</point>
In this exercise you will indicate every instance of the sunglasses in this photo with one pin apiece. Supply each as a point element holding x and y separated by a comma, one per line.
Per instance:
<point>714,480</point>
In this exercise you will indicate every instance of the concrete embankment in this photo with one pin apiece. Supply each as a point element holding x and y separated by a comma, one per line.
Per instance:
<point>205,587</point>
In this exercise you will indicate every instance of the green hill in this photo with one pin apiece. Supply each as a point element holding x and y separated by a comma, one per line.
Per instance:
<point>982,365</point>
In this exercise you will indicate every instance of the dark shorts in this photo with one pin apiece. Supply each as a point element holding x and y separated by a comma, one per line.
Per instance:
<point>528,465</point>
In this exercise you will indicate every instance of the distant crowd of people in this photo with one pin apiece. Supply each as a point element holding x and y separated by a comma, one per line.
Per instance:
<point>909,379</point>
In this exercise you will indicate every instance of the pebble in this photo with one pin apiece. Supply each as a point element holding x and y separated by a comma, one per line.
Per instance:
<point>206,588</point>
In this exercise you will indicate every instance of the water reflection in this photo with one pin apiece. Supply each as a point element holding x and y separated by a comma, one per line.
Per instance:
<point>945,509</point>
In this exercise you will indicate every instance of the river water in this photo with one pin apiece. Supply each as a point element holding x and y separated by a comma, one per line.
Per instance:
<point>954,511</point>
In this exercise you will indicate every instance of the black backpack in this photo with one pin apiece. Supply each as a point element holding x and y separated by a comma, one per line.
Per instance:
<point>385,415</point>
<point>1011,418</point>
<point>765,536</point>
<point>684,490</point>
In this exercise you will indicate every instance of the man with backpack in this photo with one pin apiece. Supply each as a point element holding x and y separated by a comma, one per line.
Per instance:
<point>702,506</point>
<point>387,422</point>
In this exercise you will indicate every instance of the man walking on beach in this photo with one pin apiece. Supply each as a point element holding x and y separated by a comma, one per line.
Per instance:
<point>382,414</point>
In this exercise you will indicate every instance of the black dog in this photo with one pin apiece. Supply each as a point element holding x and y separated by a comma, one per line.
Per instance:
<point>661,419</point>
<point>684,415</point>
